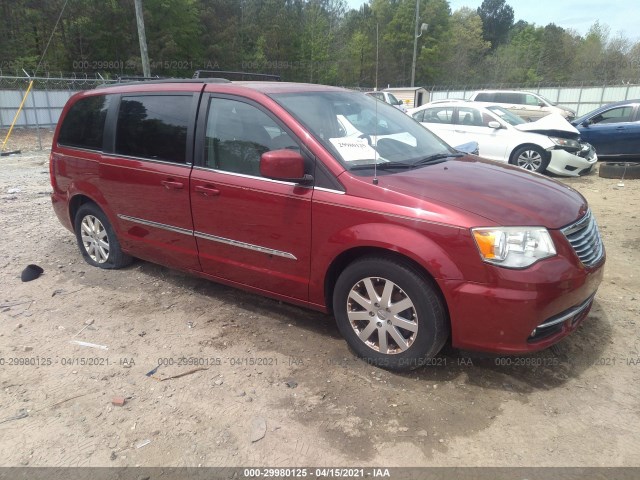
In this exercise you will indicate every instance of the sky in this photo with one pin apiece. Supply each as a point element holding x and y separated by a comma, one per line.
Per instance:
<point>622,16</point>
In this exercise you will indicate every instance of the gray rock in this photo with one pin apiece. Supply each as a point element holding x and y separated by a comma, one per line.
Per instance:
<point>258,429</point>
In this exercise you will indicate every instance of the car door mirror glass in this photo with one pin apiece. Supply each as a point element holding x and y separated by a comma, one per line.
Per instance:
<point>495,125</point>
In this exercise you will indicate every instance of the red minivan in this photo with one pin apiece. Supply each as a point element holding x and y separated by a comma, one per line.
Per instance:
<point>329,199</point>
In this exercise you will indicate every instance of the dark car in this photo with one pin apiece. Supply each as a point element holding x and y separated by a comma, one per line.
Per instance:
<point>614,129</point>
<point>328,199</point>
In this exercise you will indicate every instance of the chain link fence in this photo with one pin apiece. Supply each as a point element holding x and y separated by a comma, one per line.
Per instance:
<point>46,100</point>
<point>581,98</point>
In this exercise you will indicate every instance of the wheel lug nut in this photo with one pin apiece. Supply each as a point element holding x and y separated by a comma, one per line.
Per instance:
<point>371,314</point>
<point>388,322</point>
<point>376,305</point>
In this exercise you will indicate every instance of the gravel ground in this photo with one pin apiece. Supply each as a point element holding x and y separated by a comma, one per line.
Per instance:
<point>264,383</point>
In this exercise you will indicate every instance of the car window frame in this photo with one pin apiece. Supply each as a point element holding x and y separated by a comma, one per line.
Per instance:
<point>201,130</point>
<point>632,117</point>
<point>456,116</point>
<point>109,146</point>
<point>109,103</point>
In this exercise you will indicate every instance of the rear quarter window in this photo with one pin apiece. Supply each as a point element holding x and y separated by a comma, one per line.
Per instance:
<point>83,126</point>
<point>154,127</point>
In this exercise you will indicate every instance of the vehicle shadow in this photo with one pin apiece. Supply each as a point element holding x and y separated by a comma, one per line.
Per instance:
<point>548,369</point>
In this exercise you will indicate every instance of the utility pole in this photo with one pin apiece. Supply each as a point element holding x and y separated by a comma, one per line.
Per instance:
<point>144,54</point>
<point>415,44</point>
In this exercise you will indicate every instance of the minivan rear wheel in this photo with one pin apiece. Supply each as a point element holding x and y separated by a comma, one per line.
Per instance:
<point>389,314</point>
<point>97,240</point>
<point>530,157</point>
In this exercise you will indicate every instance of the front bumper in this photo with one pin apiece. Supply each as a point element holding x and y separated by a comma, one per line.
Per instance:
<point>523,311</point>
<point>572,164</point>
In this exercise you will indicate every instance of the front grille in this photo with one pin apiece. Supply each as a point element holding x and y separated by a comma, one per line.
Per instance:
<point>584,237</point>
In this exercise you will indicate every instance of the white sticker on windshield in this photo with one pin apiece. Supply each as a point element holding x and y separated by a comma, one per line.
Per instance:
<point>352,149</point>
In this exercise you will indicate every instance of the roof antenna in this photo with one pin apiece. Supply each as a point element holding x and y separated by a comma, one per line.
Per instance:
<point>375,155</point>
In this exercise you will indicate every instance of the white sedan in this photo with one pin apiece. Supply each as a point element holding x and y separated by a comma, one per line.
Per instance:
<point>550,144</point>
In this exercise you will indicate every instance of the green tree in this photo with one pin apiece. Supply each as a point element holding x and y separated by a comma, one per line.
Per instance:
<point>464,48</point>
<point>497,20</point>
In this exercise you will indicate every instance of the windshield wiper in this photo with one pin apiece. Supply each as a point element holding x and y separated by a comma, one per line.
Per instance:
<point>436,158</point>
<point>382,166</point>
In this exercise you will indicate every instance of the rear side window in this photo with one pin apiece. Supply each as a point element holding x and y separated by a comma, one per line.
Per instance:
<point>438,115</point>
<point>485,97</point>
<point>154,127</point>
<point>508,97</point>
<point>83,126</point>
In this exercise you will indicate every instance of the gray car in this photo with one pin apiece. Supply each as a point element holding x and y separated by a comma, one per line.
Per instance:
<point>527,105</point>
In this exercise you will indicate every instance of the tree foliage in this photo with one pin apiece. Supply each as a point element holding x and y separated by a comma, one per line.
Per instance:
<point>318,41</point>
<point>497,20</point>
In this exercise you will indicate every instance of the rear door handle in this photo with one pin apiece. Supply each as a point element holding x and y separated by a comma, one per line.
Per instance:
<point>207,190</point>
<point>170,184</point>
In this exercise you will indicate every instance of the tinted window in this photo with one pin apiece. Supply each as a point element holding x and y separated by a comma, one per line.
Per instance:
<point>237,134</point>
<point>154,127</point>
<point>485,97</point>
<point>508,97</point>
<point>84,124</point>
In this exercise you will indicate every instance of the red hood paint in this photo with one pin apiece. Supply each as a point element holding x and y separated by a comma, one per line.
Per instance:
<point>503,194</point>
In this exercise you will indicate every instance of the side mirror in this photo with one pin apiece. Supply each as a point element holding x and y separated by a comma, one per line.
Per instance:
<point>285,165</point>
<point>495,125</point>
<point>470,147</point>
<point>542,104</point>
<point>586,123</point>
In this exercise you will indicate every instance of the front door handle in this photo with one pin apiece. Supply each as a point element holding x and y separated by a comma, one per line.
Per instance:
<point>207,190</point>
<point>170,184</point>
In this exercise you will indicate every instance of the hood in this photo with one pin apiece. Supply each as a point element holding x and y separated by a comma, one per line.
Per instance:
<point>505,195</point>
<point>553,124</point>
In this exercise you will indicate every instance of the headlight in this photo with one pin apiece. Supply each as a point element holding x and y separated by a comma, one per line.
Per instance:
<point>513,247</point>
<point>565,142</point>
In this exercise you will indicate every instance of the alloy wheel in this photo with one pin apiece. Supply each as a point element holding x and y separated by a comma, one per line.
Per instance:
<point>95,239</point>
<point>382,315</point>
<point>529,160</point>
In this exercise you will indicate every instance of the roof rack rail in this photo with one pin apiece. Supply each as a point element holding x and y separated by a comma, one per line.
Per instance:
<point>135,78</point>
<point>236,75</point>
<point>152,80</point>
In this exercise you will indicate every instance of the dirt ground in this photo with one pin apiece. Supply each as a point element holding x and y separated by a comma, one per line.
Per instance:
<point>278,386</point>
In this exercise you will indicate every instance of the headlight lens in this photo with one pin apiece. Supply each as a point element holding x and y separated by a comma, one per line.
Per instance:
<point>565,142</point>
<point>513,247</point>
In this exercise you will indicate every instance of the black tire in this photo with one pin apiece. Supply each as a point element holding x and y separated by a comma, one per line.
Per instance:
<point>620,170</point>
<point>531,158</point>
<point>99,245</point>
<point>426,318</point>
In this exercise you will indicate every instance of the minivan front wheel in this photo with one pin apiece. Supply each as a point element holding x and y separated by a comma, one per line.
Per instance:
<point>531,158</point>
<point>97,240</point>
<point>389,314</point>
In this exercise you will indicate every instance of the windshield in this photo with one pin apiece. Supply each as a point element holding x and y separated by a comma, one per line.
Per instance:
<point>394,100</point>
<point>506,115</point>
<point>362,132</point>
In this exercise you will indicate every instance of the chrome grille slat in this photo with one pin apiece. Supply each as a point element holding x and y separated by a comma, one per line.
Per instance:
<point>585,239</point>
